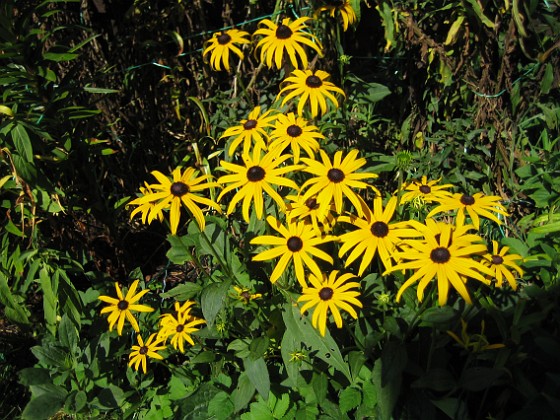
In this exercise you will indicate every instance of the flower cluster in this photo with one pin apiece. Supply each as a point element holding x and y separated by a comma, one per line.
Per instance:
<point>178,327</point>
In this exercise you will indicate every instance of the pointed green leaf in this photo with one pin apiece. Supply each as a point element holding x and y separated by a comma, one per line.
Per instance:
<point>257,372</point>
<point>212,299</point>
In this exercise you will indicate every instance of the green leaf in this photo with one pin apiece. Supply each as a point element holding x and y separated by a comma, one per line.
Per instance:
<point>281,406</point>
<point>320,386</point>
<point>258,347</point>
<point>349,399</point>
<point>51,56</point>
<point>220,407</point>
<point>34,376</point>
<point>180,251</point>
<point>257,372</point>
<point>50,300</point>
<point>212,299</point>
<point>243,393</point>
<point>477,8</point>
<point>182,292</point>
<point>111,396</point>
<point>22,142</point>
<point>50,355</point>
<point>90,89</point>
<point>67,333</point>
<point>14,310</point>
<point>438,316</point>
<point>43,407</point>
<point>326,348</point>
<point>387,391</point>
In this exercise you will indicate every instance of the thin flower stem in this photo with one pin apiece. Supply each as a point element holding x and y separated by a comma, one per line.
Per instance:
<point>222,263</point>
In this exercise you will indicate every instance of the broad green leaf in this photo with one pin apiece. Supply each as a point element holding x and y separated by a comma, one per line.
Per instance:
<point>22,142</point>
<point>289,347</point>
<point>387,393</point>
<point>438,316</point>
<point>258,347</point>
<point>257,372</point>
<point>180,251</point>
<point>67,333</point>
<point>6,110</point>
<point>42,407</point>
<point>349,399</point>
<point>320,385</point>
<point>326,348</point>
<point>182,292</point>
<point>281,406</point>
<point>243,393</point>
<point>111,396</point>
<point>14,310</point>
<point>50,355</point>
<point>212,299</point>
<point>221,407</point>
<point>34,376</point>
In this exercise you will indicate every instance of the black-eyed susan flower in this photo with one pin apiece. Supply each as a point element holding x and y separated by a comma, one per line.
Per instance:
<point>307,210</point>
<point>444,254</point>
<point>251,131</point>
<point>334,181</point>
<point>244,295</point>
<point>147,209</point>
<point>121,308</point>
<point>312,87</point>
<point>179,327</point>
<point>285,38</point>
<point>475,205</point>
<point>474,342</point>
<point>330,294</point>
<point>222,44</point>
<point>140,353</point>
<point>294,132</point>
<point>376,234</point>
<point>298,244</point>
<point>181,190</point>
<point>503,265</point>
<point>257,175</point>
<point>341,7</point>
<point>426,191</point>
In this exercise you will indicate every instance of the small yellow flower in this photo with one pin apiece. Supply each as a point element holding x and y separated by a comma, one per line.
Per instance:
<point>180,327</point>
<point>474,342</point>
<point>427,191</point>
<point>503,265</point>
<point>122,307</point>
<point>220,46</point>
<point>244,295</point>
<point>344,9</point>
<point>140,353</point>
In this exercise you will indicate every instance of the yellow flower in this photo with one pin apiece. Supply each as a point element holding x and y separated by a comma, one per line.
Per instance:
<point>503,265</point>
<point>308,211</point>
<point>310,86</point>
<point>375,234</point>
<point>180,191</point>
<point>180,327</point>
<point>295,132</point>
<point>249,130</point>
<point>244,295</point>
<point>122,307</point>
<point>298,244</point>
<point>333,181</point>
<point>475,205</point>
<point>428,191</point>
<point>220,46</point>
<point>473,342</point>
<point>344,8</point>
<point>258,174</point>
<point>445,254</point>
<point>140,354</point>
<point>285,38</point>
<point>147,209</point>
<point>330,294</point>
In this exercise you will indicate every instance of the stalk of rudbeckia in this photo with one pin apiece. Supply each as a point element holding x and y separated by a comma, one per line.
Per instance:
<point>343,8</point>
<point>258,174</point>
<point>446,254</point>
<point>376,234</point>
<point>298,243</point>
<point>294,132</point>
<point>329,294</point>
<point>140,353</point>
<point>333,181</point>
<point>285,38</point>
<point>503,265</point>
<point>251,131</point>
<point>181,190</point>
<point>121,308</point>
<point>310,86</point>
<point>475,205</point>
<point>222,44</point>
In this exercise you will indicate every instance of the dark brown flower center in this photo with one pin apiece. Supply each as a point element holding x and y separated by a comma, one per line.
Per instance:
<point>311,203</point>
<point>122,305</point>
<point>178,189</point>
<point>143,350</point>
<point>250,124</point>
<point>294,130</point>
<point>326,293</point>
<point>224,39</point>
<point>246,296</point>
<point>379,229</point>
<point>497,259</point>
<point>467,200</point>
<point>424,189</point>
<point>335,175</point>
<point>295,244</point>
<point>255,174</point>
<point>440,255</point>
<point>283,32</point>
<point>313,82</point>
<point>179,328</point>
